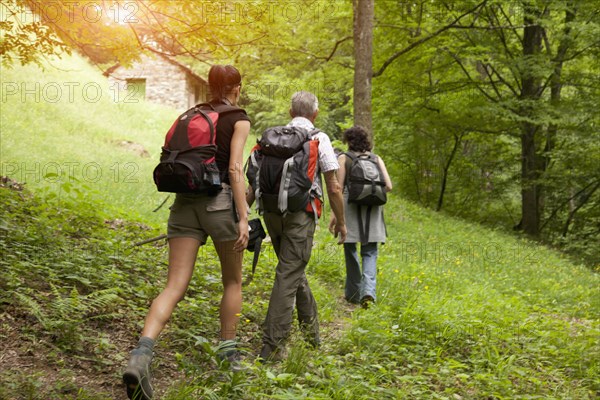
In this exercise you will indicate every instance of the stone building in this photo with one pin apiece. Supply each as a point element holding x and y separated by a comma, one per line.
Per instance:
<point>158,79</point>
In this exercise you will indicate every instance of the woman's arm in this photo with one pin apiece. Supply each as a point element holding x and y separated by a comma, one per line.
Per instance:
<point>341,172</point>
<point>386,176</point>
<point>241,131</point>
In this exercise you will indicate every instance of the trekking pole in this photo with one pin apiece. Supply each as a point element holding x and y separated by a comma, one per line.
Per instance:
<point>161,204</point>
<point>154,239</point>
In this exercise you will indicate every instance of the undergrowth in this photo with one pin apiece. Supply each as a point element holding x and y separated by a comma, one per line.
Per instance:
<point>462,312</point>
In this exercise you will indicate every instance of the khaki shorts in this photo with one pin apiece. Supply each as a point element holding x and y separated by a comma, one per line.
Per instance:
<point>200,216</point>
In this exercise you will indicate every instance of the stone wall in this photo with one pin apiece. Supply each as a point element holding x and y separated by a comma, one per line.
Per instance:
<point>196,93</point>
<point>166,83</point>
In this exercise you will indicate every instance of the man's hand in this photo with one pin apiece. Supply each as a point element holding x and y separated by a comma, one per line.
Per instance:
<point>340,229</point>
<point>337,225</point>
<point>332,223</point>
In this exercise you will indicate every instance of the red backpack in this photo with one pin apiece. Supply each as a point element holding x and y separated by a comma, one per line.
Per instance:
<point>187,162</point>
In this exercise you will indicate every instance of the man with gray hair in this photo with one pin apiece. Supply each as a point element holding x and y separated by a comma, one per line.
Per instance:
<point>304,104</point>
<point>292,238</point>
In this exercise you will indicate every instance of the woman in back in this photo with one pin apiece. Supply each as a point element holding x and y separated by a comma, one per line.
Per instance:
<point>365,224</point>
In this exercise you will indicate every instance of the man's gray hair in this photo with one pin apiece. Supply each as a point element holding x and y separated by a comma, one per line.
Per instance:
<point>304,104</point>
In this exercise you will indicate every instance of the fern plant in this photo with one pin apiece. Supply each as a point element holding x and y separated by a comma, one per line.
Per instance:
<point>63,315</point>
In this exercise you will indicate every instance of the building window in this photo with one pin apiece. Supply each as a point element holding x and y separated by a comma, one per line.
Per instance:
<point>136,89</point>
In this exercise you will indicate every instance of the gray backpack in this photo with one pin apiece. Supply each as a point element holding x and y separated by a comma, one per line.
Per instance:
<point>365,182</point>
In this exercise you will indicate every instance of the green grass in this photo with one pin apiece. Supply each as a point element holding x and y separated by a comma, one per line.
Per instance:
<point>477,313</point>
<point>66,121</point>
<point>463,312</point>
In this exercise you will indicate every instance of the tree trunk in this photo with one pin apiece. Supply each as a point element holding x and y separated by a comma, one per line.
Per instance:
<point>529,175</point>
<point>363,63</point>
<point>530,165</point>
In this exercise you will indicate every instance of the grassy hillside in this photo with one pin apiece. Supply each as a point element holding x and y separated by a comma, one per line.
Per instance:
<point>65,126</point>
<point>463,312</point>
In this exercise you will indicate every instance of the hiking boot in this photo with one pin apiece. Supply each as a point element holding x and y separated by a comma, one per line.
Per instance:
<point>367,301</point>
<point>227,352</point>
<point>234,359</point>
<point>271,354</point>
<point>137,375</point>
<point>311,336</point>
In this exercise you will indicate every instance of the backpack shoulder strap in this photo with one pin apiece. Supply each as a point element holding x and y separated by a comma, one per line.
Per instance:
<point>364,228</point>
<point>350,155</point>
<point>220,108</point>
<point>373,157</point>
<point>313,132</point>
<point>204,105</point>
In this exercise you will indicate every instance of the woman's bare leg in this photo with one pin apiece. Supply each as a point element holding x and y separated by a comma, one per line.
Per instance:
<point>182,257</point>
<point>231,276</point>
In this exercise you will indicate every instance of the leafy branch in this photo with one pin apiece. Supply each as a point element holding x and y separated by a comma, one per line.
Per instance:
<point>425,39</point>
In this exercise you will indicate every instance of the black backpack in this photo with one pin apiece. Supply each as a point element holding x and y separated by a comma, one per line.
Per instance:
<point>283,170</point>
<point>365,182</point>
<point>187,162</point>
